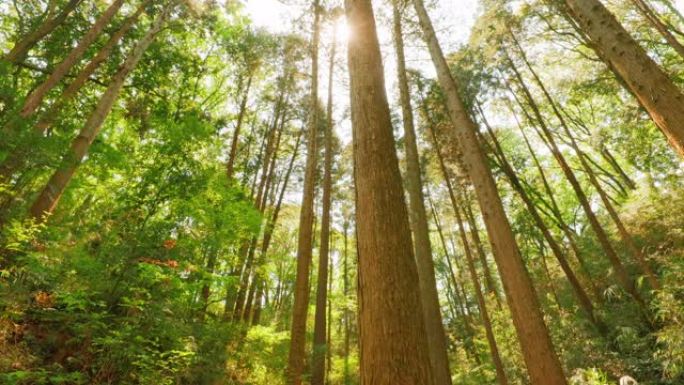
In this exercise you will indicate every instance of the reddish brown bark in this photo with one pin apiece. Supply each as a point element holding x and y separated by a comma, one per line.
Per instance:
<point>392,329</point>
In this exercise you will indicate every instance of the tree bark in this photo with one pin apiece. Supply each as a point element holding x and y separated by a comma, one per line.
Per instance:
<point>300,307</point>
<point>49,196</point>
<point>394,348</point>
<point>320,321</point>
<point>655,91</point>
<point>543,365</point>
<point>437,346</point>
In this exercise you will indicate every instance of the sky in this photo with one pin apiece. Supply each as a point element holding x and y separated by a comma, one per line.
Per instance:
<point>453,20</point>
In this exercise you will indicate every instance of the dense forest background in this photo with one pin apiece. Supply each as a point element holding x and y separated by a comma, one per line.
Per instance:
<point>189,198</point>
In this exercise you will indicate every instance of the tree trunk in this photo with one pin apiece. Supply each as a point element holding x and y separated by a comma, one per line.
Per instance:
<point>238,126</point>
<point>655,91</point>
<point>394,348</point>
<point>619,269</point>
<point>300,307</point>
<point>102,55</point>
<point>20,50</point>
<point>543,365</point>
<point>319,339</point>
<point>437,346</point>
<point>482,304</point>
<point>35,98</point>
<point>581,296</point>
<point>49,197</point>
<point>653,19</point>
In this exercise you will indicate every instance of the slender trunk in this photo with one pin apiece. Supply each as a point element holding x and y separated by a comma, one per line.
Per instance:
<point>21,49</point>
<point>347,316</point>
<point>328,351</point>
<point>542,362</point>
<point>619,269</point>
<point>624,234</point>
<point>579,292</point>
<point>475,235</point>
<point>482,304</point>
<point>35,98</point>
<point>437,346</point>
<point>649,14</point>
<point>655,91</point>
<point>555,211</point>
<point>238,126</point>
<point>100,57</point>
<point>389,292</point>
<point>300,307</point>
<point>460,301</point>
<point>319,339</point>
<point>49,197</point>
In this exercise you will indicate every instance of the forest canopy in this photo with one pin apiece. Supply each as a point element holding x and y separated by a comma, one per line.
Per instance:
<point>400,192</point>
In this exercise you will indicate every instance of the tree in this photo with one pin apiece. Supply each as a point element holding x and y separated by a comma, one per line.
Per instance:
<point>418,218</point>
<point>655,91</point>
<point>389,300</point>
<point>305,241</point>
<point>543,365</point>
<point>320,347</point>
<point>48,198</point>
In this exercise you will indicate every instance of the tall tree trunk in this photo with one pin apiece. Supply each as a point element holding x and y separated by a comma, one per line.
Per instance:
<point>475,235</point>
<point>619,269</point>
<point>581,296</point>
<point>270,226</point>
<point>470,348</point>
<point>238,127</point>
<point>35,98</point>
<point>346,315</point>
<point>655,91</point>
<point>49,196</point>
<point>21,49</point>
<point>319,339</point>
<point>555,210</point>
<point>300,308</point>
<point>482,304</point>
<point>437,346</point>
<point>543,365</point>
<point>394,348</point>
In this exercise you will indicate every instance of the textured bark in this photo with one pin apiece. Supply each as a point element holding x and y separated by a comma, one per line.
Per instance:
<point>393,340</point>
<point>35,98</point>
<point>619,269</point>
<point>53,190</point>
<point>320,347</point>
<point>300,308</point>
<point>543,365</point>
<point>238,127</point>
<point>21,49</point>
<point>655,91</point>
<point>418,218</point>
